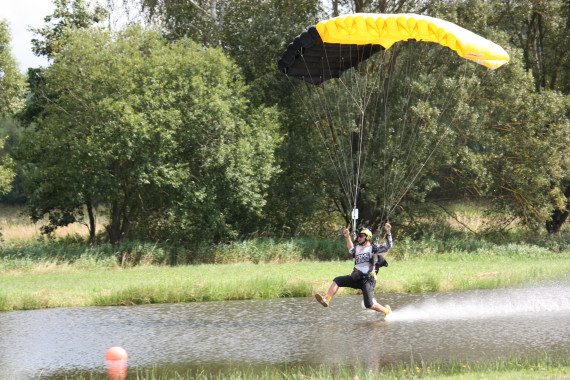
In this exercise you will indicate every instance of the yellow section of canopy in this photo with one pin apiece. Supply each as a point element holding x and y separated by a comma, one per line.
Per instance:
<point>387,29</point>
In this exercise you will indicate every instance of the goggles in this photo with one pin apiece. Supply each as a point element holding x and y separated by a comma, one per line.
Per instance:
<point>361,235</point>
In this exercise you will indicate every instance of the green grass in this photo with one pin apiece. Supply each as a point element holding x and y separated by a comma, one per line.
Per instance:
<point>63,285</point>
<point>546,366</point>
<point>133,253</point>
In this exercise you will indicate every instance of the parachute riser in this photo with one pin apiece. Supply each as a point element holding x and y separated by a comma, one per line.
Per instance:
<point>354,219</point>
<point>380,231</point>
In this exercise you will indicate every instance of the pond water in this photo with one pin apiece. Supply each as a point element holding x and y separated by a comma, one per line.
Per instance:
<point>55,343</point>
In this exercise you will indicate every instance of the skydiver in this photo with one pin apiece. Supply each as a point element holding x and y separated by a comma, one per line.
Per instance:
<point>363,276</point>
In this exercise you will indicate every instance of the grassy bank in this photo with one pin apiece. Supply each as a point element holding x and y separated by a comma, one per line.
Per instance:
<point>519,368</point>
<point>546,366</point>
<point>53,284</point>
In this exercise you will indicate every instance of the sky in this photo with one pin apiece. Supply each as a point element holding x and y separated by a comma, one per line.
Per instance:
<point>22,15</point>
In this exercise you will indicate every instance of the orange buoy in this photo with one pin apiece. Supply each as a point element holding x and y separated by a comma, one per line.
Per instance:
<point>116,353</point>
<point>116,358</point>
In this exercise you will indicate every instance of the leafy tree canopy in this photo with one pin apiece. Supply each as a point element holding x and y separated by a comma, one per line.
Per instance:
<point>158,132</point>
<point>68,15</point>
<point>12,82</point>
<point>12,88</point>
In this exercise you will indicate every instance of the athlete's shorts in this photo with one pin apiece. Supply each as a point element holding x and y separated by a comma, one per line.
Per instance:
<point>364,283</point>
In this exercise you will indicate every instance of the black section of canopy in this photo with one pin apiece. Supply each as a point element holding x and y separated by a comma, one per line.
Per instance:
<point>313,61</point>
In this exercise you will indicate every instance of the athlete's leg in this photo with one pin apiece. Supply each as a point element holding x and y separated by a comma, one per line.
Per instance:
<point>367,288</point>
<point>341,281</point>
<point>382,309</point>
<point>332,290</point>
<point>369,301</point>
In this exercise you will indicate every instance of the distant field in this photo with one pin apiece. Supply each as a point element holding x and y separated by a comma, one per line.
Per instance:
<point>466,217</point>
<point>16,227</point>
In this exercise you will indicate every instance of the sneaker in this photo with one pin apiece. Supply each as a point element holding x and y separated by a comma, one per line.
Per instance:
<point>389,309</point>
<point>322,300</point>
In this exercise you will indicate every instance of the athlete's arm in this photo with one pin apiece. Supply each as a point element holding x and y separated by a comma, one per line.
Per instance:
<point>349,243</point>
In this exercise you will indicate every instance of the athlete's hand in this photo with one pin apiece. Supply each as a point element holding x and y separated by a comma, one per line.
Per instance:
<point>388,227</point>
<point>346,233</point>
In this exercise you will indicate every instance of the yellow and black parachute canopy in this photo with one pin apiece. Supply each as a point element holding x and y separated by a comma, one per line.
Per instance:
<point>326,50</point>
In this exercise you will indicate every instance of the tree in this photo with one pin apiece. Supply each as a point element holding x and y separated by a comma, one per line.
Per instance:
<point>6,171</point>
<point>251,31</point>
<point>525,146</point>
<point>255,33</point>
<point>12,88</point>
<point>12,82</point>
<point>541,29</point>
<point>516,141</point>
<point>375,6</point>
<point>207,21</point>
<point>158,132</point>
<point>67,16</point>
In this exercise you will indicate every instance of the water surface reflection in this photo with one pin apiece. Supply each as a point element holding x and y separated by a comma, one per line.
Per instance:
<point>458,325</point>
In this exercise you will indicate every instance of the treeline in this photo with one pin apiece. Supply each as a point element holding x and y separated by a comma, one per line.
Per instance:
<point>180,127</point>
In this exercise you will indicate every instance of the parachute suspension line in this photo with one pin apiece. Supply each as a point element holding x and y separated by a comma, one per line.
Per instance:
<point>352,190</point>
<point>359,92</point>
<point>409,131</point>
<point>323,124</point>
<point>376,99</point>
<point>386,73</point>
<point>403,178</point>
<point>317,118</point>
<point>413,125</point>
<point>396,173</point>
<point>386,83</point>
<point>384,76</point>
<point>347,167</point>
<point>352,156</point>
<point>446,131</point>
<point>397,182</point>
<point>355,147</point>
<point>370,96</point>
<point>389,69</point>
<point>362,90</point>
<point>353,168</point>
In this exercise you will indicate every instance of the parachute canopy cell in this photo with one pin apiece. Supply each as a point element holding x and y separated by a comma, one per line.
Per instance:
<point>326,50</point>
